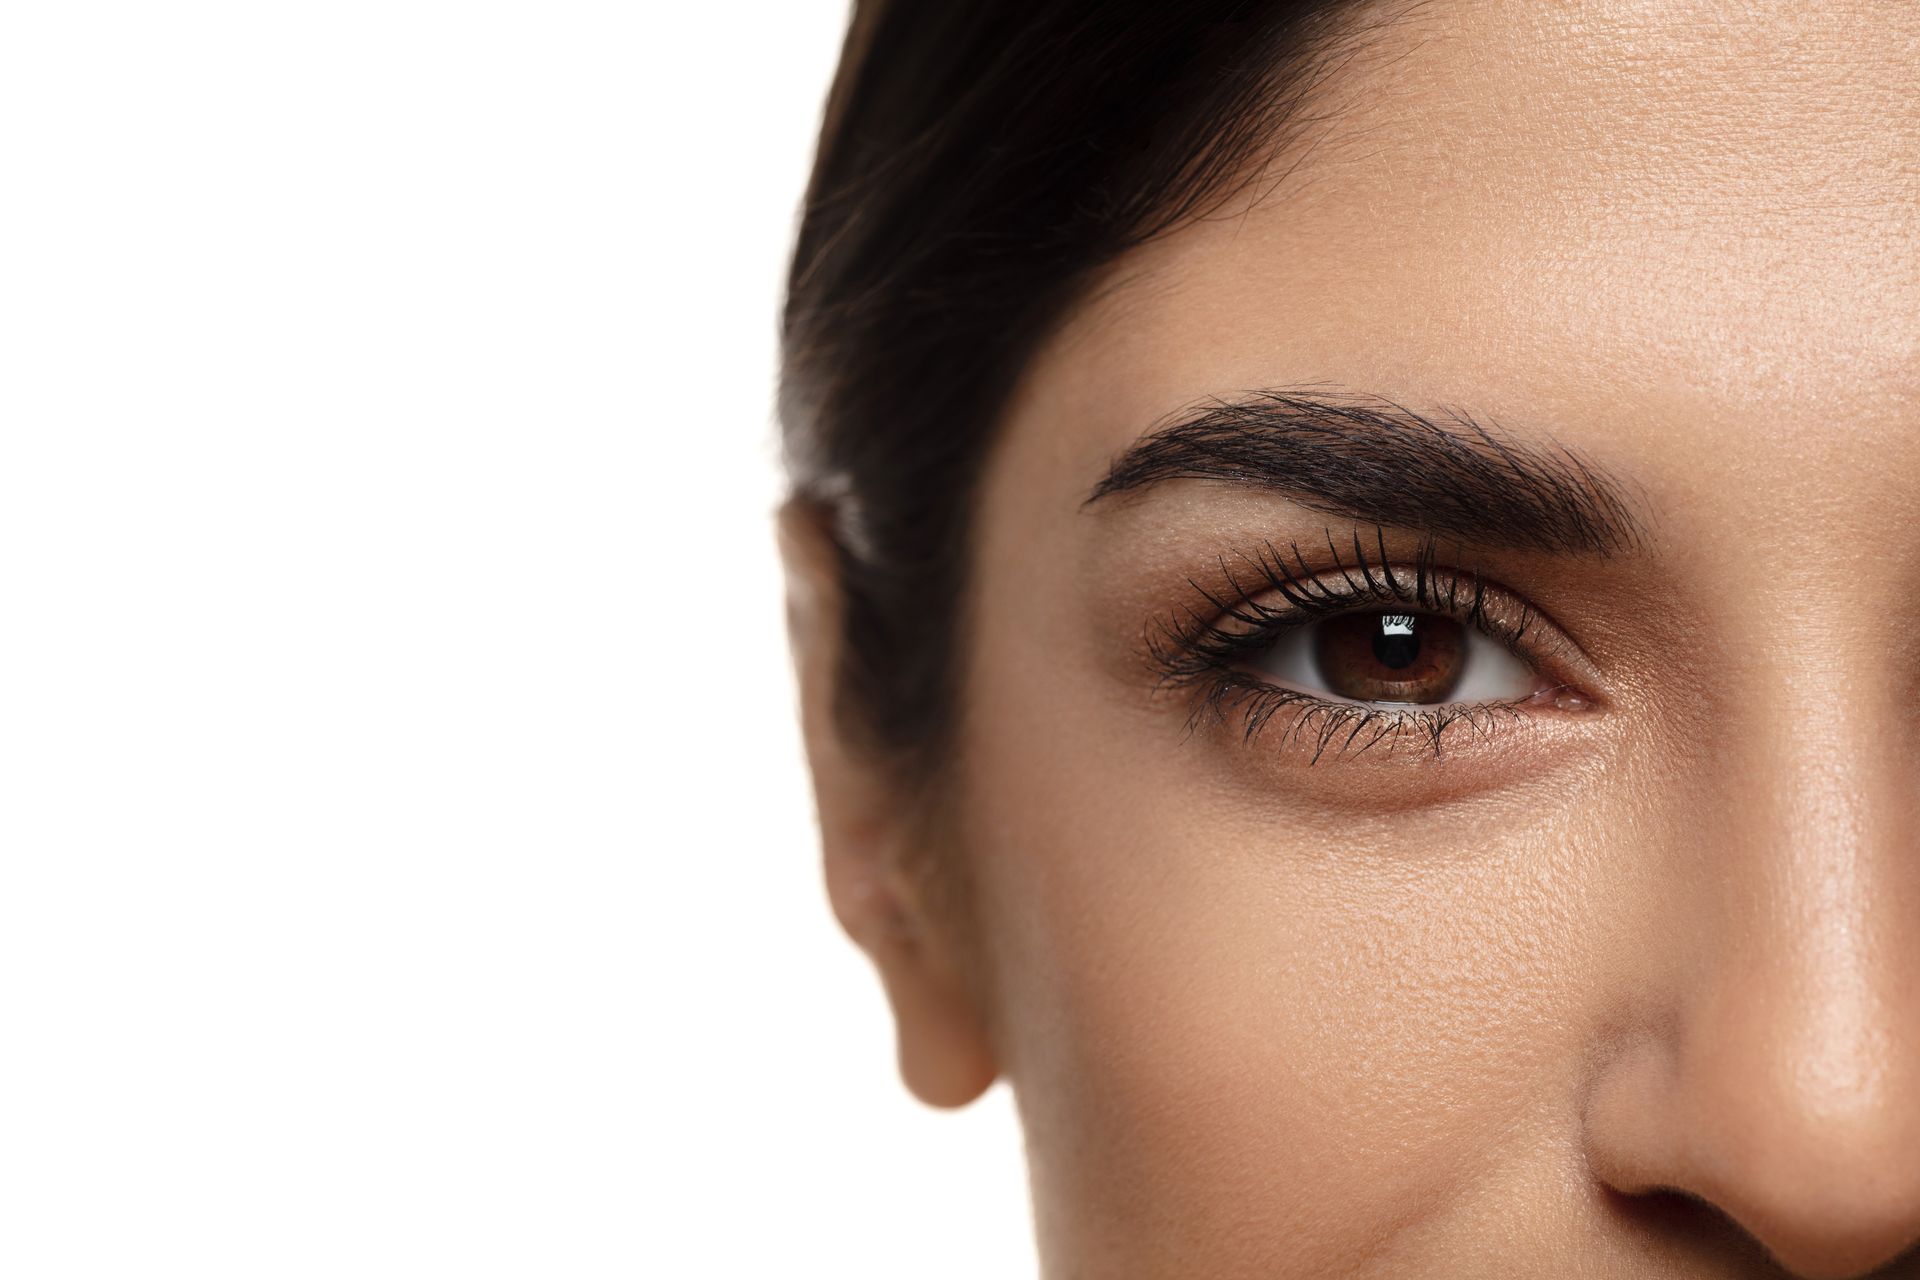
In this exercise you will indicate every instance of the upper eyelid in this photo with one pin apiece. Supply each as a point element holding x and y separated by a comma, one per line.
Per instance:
<point>1491,608</point>
<point>1437,589</point>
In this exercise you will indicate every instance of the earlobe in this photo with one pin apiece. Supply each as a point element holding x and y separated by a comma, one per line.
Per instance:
<point>945,1058</point>
<point>866,830</point>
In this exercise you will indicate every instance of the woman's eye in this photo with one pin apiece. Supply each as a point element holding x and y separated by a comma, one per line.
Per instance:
<point>1384,656</point>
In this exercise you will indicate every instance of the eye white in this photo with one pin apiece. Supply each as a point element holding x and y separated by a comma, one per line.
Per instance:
<point>1491,673</point>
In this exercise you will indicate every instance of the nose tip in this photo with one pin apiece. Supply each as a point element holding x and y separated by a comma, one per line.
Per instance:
<point>1832,1192</point>
<point>1821,1167</point>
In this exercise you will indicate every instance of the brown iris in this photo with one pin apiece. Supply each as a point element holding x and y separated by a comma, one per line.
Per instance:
<point>1390,657</point>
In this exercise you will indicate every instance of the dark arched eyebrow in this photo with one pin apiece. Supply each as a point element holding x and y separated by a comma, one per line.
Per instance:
<point>1373,460</point>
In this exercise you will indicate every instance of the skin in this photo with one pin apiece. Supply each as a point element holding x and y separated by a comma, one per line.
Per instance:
<point>1627,990</point>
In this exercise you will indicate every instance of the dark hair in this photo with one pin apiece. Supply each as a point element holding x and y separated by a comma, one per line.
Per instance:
<point>980,161</point>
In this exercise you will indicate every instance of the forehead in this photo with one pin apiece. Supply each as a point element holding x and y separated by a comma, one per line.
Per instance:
<point>1675,224</point>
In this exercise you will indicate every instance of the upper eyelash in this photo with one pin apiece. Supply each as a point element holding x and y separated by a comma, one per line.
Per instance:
<point>1198,651</point>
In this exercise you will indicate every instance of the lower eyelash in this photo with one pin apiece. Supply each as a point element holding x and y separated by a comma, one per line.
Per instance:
<point>1339,727</point>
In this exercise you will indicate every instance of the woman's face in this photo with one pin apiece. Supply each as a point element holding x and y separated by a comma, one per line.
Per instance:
<point>1558,912</point>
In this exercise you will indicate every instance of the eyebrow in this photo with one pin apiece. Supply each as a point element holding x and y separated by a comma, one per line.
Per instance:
<point>1368,458</point>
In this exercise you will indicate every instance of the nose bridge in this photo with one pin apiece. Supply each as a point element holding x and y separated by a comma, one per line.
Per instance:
<point>1813,864</point>
<point>1811,996</point>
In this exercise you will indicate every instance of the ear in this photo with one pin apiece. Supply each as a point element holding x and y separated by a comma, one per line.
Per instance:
<point>866,835</point>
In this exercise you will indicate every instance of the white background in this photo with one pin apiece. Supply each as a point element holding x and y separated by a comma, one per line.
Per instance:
<point>406,866</point>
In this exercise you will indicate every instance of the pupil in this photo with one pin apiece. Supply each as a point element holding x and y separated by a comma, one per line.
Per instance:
<point>1395,645</point>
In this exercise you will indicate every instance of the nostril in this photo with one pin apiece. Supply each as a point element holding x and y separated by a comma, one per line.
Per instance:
<point>1679,1224</point>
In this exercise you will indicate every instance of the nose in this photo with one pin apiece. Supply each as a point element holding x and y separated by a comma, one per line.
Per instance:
<point>1779,1079</point>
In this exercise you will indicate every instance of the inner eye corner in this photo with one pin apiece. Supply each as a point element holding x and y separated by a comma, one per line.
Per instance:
<point>1565,698</point>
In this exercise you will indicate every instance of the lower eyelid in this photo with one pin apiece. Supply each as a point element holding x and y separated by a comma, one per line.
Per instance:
<point>1301,727</point>
<point>1287,722</point>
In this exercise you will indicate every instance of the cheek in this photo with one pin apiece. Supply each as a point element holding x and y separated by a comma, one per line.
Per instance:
<point>1254,1038</point>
